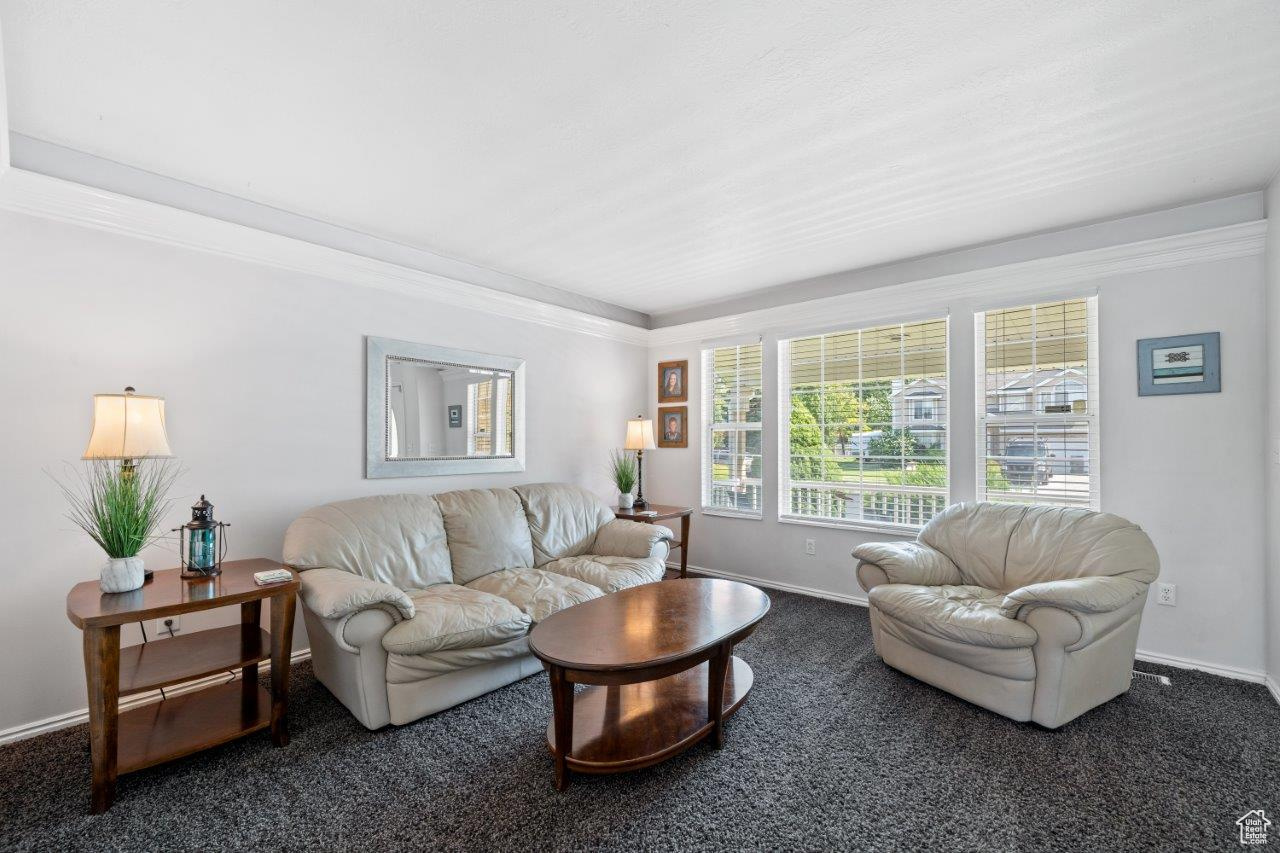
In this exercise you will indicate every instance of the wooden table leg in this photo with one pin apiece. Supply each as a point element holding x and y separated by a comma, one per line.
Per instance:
<point>250,624</point>
<point>684,546</point>
<point>102,677</point>
<point>562,705</point>
<point>717,667</point>
<point>282,607</point>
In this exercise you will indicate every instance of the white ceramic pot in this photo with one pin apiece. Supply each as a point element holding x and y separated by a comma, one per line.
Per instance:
<point>626,501</point>
<point>123,574</point>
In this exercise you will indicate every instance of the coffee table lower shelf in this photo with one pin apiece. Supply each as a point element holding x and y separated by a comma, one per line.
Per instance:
<point>625,727</point>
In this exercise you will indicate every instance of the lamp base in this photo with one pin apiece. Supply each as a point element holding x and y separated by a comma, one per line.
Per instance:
<point>639,503</point>
<point>148,576</point>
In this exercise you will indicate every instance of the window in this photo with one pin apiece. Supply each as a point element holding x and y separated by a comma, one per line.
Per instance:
<point>483,399</point>
<point>731,429</point>
<point>1037,392</point>
<point>924,405</point>
<point>865,426</point>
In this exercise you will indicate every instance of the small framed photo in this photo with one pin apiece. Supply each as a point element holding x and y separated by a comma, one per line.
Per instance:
<point>1185,364</point>
<point>455,417</point>
<point>673,426</point>
<point>673,381</point>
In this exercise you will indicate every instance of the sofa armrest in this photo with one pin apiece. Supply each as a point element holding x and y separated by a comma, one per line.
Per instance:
<point>1078,595</point>
<point>904,562</point>
<point>333,594</point>
<point>622,538</point>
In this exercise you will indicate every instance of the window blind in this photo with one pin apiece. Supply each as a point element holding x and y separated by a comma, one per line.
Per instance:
<point>732,399</point>
<point>865,415</point>
<point>1038,404</point>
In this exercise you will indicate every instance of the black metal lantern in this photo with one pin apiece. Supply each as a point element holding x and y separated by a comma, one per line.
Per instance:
<point>201,542</point>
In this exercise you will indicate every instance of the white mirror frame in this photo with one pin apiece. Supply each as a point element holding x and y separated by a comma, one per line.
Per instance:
<point>378,465</point>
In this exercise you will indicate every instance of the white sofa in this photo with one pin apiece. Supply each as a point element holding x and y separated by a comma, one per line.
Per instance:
<point>415,603</point>
<point>1029,611</point>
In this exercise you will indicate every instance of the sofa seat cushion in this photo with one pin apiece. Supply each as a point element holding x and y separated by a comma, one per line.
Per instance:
<point>965,614</point>
<point>448,616</point>
<point>609,573</point>
<point>537,593</point>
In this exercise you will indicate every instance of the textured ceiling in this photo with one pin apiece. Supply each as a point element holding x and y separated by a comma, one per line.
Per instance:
<point>661,154</point>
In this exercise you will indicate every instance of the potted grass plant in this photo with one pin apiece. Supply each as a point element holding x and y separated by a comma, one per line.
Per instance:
<point>623,469</point>
<point>120,505</point>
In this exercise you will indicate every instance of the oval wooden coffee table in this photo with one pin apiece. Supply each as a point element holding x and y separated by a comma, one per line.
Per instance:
<point>660,659</point>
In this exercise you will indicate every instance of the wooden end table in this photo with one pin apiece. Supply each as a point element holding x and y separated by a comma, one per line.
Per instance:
<point>162,731</point>
<point>662,512</point>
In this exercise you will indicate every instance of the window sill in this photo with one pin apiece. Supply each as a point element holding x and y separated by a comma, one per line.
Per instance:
<point>861,526</point>
<point>725,513</point>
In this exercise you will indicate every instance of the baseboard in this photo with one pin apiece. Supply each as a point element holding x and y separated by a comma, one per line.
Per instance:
<point>75,718</point>
<point>860,600</point>
<point>1236,673</point>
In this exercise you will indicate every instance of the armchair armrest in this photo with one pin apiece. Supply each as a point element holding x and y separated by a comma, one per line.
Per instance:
<point>907,562</point>
<point>1077,595</point>
<point>622,538</point>
<point>333,594</point>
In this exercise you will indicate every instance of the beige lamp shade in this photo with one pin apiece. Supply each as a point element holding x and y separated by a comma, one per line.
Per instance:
<point>127,426</point>
<point>639,434</point>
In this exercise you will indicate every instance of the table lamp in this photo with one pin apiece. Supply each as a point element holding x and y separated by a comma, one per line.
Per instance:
<point>639,439</point>
<point>128,427</point>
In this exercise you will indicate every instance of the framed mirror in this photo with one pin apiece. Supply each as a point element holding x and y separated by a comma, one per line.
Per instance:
<point>435,410</point>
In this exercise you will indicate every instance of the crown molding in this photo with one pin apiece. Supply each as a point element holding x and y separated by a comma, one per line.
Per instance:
<point>993,285</point>
<point>65,201</point>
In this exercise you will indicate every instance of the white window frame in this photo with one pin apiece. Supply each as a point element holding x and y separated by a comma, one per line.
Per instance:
<point>1032,413</point>
<point>783,412</point>
<point>709,427</point>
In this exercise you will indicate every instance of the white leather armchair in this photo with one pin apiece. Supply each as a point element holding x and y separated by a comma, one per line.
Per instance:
<point>1029,611</point>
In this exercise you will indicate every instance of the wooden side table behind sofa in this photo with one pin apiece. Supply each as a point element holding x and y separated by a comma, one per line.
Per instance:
<point>162,731</point>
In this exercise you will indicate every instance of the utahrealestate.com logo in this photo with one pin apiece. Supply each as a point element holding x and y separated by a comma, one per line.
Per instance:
<point>1253,827</point>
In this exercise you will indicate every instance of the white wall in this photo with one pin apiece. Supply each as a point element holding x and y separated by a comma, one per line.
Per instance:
<point>263,371</point>
<point>1184,467</point>
<point>1273,434</point>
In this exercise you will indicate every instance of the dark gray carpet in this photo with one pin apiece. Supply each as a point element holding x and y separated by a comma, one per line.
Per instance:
<point>833,750</point>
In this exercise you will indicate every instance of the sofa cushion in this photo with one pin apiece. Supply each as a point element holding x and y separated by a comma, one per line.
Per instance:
<point>917,653</point>
<point>966,614</point>
<point>448,616</point>
<point>609,573</point>
<point>563,519</point>
<point>975,536</point>
<point>1060,543</point>
<point>537,593</point>
<point>487,532</point>
<point>395,539</point>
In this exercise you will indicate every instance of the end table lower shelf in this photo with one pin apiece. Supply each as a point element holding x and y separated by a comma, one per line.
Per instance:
<point>185,724</point>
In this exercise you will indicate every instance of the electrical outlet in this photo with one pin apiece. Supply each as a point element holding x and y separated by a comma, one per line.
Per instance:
<point>810,547</point>
<point>1167,594</point>
<point>160,630</point>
